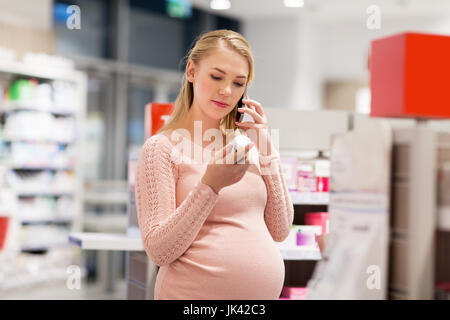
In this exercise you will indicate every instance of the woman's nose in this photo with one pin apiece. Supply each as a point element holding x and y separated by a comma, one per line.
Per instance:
<point>226,91</point>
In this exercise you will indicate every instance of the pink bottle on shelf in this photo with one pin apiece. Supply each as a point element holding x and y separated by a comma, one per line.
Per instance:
<point>322,184</point>
<point>318,219</point>
<point>3,230</point>
<point>305,238</point>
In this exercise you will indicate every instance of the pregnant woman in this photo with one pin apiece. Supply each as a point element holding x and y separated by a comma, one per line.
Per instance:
<point>212,226</point>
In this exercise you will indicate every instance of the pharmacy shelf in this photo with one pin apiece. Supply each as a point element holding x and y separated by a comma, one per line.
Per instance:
<point>106,198</point>
<point>18,138</point>
<point>76,116</point>
<point>20,106</point>
<point>310,198</point>
<point>301,253</point>
<point>27,194</point>
<point>44,247</point>
<point>105,241</point>
<point>46,221</point>
<point>122,242</point>
<point>39,168</point>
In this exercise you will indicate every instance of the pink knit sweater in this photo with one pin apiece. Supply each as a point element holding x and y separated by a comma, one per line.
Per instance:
<point>208,245</point>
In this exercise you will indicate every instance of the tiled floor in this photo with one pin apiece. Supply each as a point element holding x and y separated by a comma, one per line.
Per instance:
<point>59,291</point>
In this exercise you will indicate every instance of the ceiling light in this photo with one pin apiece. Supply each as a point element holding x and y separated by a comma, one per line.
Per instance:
<point>294,3</point>
<point>220,4</point>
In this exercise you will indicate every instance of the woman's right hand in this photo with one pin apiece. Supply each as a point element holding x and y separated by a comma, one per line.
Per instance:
<point>224,170</point>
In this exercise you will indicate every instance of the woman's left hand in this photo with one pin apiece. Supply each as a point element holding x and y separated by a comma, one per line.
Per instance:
<point>259,135</point>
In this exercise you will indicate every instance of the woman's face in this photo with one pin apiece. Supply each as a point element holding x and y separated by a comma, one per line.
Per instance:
<point>219,81</point>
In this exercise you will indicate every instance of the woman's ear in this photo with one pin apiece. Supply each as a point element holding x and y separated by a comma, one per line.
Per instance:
<point>190,71</point>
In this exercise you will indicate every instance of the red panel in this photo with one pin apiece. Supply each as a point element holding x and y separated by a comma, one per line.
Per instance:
<point>154,113</point>
<point>428,75</point>
<point>409,76</point>
<point>387,76</point>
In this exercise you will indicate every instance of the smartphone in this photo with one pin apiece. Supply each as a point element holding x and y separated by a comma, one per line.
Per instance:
<point>240,115</point>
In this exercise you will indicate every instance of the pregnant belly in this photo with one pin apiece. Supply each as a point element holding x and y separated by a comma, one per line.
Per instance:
<point>244,267</point>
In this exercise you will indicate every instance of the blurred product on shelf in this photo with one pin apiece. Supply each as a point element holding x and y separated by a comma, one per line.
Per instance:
<point>40,182</point>
<point>322,173</point>
<point>36,126</point>
<point>50,236</point>
<point>306,239</point>
<point>318,219</point>
<point>22,90</point>
<point>4,220</point>
<point>306,180</point>
<point>313,175</point>
<point>41,209</point>
<point>53,96</point>
<point>51,155</point>
<point>7,210</point>
<point>293,293</point>
<point>289,167</point>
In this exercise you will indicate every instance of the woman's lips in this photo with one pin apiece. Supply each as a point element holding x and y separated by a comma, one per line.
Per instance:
<point>221,105</point>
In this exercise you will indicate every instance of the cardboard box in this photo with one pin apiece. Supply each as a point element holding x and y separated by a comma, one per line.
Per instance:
<point>409,76</point>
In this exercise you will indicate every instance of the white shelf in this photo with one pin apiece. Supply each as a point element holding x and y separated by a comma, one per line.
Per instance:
<point>52,168</point>
<point>310,198</point>
<point>46,221</point>
<point>76,116</point>
<point>21,106</point>
<point>301,253</point>
<point>122,242</point>
<point>106,198</point>
<point>44,247</point>
<point>18,138</point>
<point>105,241</point>
<point>44,194</point>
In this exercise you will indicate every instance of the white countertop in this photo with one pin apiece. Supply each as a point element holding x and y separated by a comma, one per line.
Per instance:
<point>105,241</point>
<point>123,242</point>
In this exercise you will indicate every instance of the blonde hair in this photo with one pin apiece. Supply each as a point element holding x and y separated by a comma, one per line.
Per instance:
<point>203,46</point>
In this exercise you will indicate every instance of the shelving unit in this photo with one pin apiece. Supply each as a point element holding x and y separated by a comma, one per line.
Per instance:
<point>59,219</point>
<point>310,198</point>
<point>300,132</point>
<point>420,234</point>
<point>420,153</point>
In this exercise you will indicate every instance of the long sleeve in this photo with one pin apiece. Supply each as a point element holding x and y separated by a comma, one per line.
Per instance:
<point>279,211</point>
<point>167,231</point>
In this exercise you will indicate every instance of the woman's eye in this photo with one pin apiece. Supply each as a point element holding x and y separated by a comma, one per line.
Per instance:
<point>218,78</point>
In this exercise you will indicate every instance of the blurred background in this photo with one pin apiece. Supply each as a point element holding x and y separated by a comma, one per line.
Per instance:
<point>73,90</point>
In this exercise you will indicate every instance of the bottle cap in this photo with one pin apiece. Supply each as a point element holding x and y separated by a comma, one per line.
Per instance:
<point>240,142</point>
